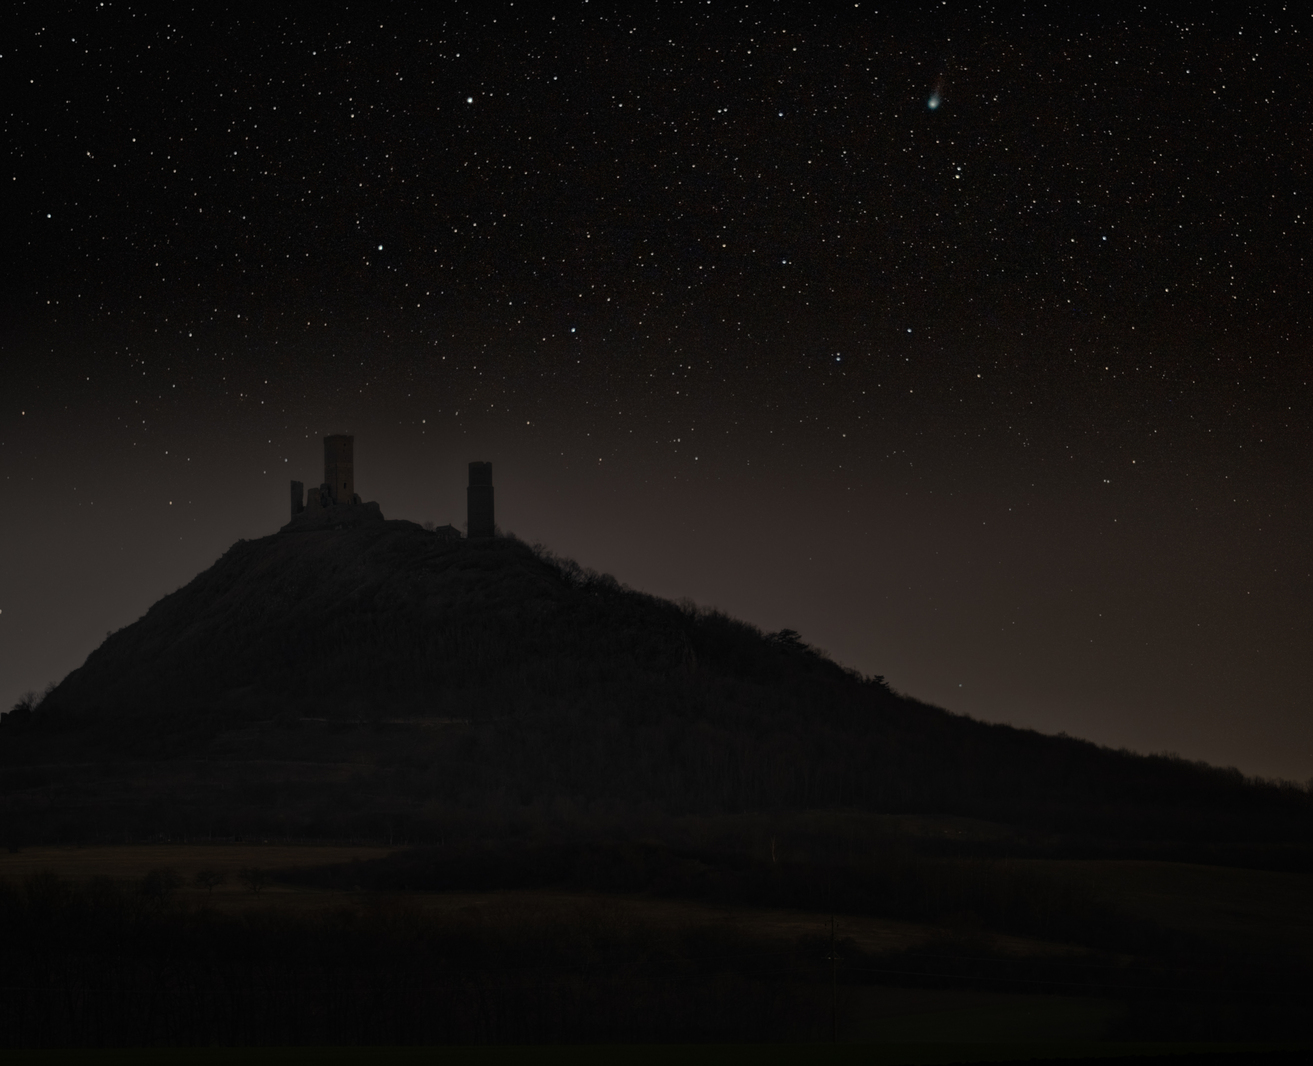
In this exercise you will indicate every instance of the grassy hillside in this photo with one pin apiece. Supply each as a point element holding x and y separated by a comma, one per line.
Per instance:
<point>369,678</point>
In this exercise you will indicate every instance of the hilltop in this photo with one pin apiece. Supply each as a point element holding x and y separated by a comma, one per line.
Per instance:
<point>351,674</point>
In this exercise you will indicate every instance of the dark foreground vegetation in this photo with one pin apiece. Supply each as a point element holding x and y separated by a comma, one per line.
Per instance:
<point>109,964</point>
<point>519,725</point>
<point>113,963</point>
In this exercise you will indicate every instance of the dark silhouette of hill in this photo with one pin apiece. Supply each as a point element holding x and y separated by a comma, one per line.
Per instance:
<point>338,676</point>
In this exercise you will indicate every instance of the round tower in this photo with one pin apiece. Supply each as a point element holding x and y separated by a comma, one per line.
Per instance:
<point>478,498</point>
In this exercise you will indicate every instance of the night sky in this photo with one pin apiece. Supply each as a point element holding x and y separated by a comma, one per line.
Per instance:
<point>975,347</point>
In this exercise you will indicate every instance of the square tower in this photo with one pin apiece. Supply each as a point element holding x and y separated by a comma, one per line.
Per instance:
<point>339,467</point>
<point>478,498</point>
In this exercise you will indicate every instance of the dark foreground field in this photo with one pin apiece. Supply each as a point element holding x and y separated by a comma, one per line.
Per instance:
<point>931,958</point>
<point>925,1054</point>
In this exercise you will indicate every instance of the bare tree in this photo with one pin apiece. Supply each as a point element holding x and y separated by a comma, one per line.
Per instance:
<point>158,886</point>
<point>254,878</point>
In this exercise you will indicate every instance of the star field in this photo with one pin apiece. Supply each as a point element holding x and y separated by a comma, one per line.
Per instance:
<point>1008,310</point>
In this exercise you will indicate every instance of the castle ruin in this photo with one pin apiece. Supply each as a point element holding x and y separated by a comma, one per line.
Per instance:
<point>339,487</point>
<point>340,468</point>
<point>339,484</point>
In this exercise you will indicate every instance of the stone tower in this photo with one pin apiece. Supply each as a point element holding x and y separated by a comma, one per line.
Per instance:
<point>339,467</point>
<point>298,498</point>
<point>478,498</point>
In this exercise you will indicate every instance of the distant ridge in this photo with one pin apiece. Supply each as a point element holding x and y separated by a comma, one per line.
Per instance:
<point>353,668</point>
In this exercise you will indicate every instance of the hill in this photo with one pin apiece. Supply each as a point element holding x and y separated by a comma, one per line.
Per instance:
<point>358,676</point>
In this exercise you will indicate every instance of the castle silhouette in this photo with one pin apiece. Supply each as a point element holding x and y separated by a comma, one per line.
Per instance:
<point>338,489</point>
